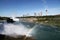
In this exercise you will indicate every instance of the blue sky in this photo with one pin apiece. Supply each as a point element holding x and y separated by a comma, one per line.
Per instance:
<point>20,7</point>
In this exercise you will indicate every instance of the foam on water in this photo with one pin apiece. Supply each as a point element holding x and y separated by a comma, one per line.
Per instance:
<point>12,29</point>
<point>15,30</point>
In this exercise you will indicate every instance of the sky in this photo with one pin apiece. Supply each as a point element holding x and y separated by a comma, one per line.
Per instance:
<point>29,7</point>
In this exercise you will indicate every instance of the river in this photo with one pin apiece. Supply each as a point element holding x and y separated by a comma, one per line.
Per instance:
<point>39,31</point>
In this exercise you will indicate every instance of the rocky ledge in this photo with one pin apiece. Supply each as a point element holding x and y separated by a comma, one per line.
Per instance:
<point>4,37</point>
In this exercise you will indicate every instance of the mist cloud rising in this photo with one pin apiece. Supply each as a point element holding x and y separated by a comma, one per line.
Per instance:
<point>13,30</point>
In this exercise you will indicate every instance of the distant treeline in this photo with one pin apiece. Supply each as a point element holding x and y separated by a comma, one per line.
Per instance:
<point>4,18</point>
<point>8,19</point>
<point>49,16</point>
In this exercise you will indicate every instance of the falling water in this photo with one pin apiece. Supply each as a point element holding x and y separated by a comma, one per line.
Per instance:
<point>15,30</point>
<point>12,29</point>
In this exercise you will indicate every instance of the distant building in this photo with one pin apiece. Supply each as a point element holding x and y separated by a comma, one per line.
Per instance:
<point>34,14</point>
<point>46,12</point>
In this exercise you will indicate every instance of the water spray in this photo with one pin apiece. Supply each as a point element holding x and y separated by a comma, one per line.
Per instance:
<point>28,34</point>
<point>16,30</point>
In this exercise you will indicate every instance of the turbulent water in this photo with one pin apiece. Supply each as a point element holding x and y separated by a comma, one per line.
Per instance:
<point>38,31</point>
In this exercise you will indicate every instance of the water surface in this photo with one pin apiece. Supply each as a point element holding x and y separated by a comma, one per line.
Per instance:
<point>39,32</point>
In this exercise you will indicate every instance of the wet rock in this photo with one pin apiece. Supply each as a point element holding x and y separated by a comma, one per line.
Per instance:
<point>4,37</point>
<point>10,20</point>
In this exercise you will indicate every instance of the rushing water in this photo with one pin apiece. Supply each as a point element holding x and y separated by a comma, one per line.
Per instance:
<point>38,31</point>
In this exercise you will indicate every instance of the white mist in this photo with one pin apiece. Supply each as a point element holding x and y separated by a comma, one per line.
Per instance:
<point>12,29</point>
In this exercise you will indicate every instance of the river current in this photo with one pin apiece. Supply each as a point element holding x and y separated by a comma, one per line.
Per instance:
<point>36,30</point>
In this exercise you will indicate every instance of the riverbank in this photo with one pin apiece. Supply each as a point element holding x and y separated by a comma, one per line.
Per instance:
<point>53,23</point>
<point>49,20</point>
